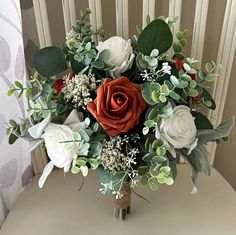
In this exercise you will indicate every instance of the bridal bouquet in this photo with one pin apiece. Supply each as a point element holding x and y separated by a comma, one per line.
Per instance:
<point>124,108</point>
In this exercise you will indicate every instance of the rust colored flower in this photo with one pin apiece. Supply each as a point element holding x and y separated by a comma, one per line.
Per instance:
<point>118,105</point>
<point>59,83</point>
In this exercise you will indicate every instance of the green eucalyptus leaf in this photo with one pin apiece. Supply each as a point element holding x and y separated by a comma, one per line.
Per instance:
<point>150,123</point>
<point>179,35</point>
<point>208,67</point>
<point>83,150</point>
<point>144,180</point>
<point>28,92</point>
<point>13,123</point>
<point>153,62</point>
<point>156,35</point>
<point>201,121</point>
<point>81,161</point>
<point>88,46</point>
<point>165,112</point>
<point>50,61</point>
<point>193,93</point>
<point>98,64</point>
<point>143,170</point>
<point>186,77</point>
<point>169,181</point>
<point>104,55</point>
<point>10,92</point>
<point>7,131</point>
<point>154,53</point>
<point>206,95</point>
<point>174,95</point>
<point>84,170</point>
<point>75,170</point>
<point>183,42</point>
<point>174,80</point>
<point>147,92</point>
<point>96,148</point>
<point>162,98</point>
<point>177,47</point>
<point>12,138</point>
<point>93,163</point>
<point>18,84</point>
<point>145,130</point>
<point>153,184</point>
<point>153,113</point>
<point>148,157</point>
<point>187,68</point>
<point>84,135</point>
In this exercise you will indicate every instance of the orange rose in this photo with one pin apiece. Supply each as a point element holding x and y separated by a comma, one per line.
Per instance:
<point>118,105</point>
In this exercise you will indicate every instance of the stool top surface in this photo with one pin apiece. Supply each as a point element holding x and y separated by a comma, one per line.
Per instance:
<point>59,208</point>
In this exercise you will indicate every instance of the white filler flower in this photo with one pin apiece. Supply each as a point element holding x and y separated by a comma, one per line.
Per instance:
<point>179,130</point>
<point>121,54</point>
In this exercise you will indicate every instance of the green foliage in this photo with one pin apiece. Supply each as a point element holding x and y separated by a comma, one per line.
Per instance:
<point>157,169</point>
<point>201,121</point>
<point>207,100</point>
<point>80,49</point>
<point>16,130</point>
<point>148,62</point>
<point>82,164</point>
<point>198,161</point>
<point>17,86</point>
<point>222,131</point>
<point>156,35</point>
<point>50,61</point>
<point>178,46</point>
<point>115,181</point>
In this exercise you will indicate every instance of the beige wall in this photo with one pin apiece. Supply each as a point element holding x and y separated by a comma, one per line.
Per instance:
<point>225,160</point>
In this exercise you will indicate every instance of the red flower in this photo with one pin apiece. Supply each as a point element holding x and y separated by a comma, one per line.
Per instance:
<point>59,83</point>
<point>118,105</point>
<point>179,65</point>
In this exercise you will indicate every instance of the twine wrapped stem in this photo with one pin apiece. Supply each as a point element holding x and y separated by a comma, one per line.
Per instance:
<point>122,205</point>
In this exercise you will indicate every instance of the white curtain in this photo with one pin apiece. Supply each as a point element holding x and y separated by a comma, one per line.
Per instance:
<point>15,168</point>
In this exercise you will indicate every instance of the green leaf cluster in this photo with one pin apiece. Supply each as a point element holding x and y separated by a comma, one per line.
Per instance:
<point>16,130</point>
<point>178,46</point>
<point>157,168</point>
<point>83,164</point>
<point>154,116</point>
<point>145,62</point>
<point>17,86</point>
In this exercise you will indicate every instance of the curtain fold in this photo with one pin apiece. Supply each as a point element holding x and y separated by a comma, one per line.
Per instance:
<point>15,163</point>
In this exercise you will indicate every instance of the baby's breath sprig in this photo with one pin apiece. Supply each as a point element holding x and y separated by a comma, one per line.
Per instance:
<point>78,89</point>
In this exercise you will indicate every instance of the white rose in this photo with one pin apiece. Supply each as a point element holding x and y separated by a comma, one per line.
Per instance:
<point>55,136</point>
<point>179,130</point>
<point>121,54</point>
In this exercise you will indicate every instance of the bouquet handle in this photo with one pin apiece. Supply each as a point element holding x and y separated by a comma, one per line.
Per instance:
<point>122,204</point>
